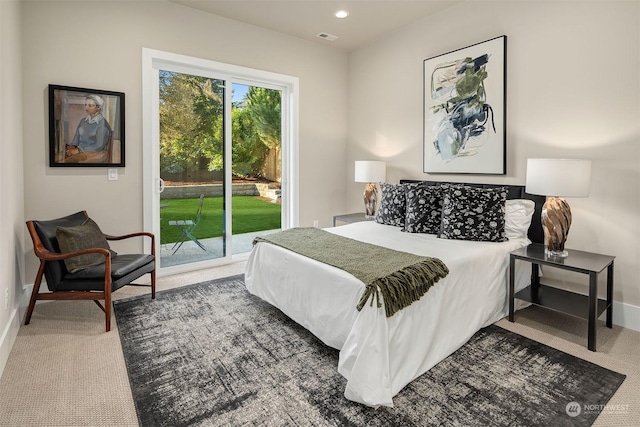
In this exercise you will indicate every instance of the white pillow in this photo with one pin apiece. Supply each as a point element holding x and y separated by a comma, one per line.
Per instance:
<point>517,217</point>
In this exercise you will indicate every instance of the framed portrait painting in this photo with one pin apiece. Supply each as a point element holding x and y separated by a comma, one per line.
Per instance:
<point>465,110</point>
<point>86,127</point>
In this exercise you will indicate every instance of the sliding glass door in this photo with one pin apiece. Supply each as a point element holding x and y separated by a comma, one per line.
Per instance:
<point>216,168</point>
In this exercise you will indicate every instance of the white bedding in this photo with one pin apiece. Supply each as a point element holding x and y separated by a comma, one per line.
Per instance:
<point>380,355</point>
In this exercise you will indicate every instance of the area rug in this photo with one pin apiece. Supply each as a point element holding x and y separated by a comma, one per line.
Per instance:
<point>213,354</point>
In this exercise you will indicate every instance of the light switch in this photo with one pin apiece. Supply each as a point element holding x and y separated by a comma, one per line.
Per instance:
<point>112,174</point>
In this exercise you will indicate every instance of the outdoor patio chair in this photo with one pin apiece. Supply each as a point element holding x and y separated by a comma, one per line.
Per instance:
<point>78,264</point>
<point>186,226</point>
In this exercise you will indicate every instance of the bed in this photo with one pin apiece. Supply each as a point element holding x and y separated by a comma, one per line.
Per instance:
<point>380,355</point>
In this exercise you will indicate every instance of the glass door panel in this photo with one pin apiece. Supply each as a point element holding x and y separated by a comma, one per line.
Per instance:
<point>256,164</point>
<point>192,168</point>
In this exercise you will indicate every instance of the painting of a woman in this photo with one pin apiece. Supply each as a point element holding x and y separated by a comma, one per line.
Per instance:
<point>86,127</point>
<point>92,139</point>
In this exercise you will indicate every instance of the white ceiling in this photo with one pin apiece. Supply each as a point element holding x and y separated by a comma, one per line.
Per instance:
<point>368,20</point>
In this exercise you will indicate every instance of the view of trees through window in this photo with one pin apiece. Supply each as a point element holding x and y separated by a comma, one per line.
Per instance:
<point>192,130</point>
<point>192,153</point>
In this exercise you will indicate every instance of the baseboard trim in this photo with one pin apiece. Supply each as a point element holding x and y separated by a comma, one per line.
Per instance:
<point>10,331</point>
<point>8,337</point>
<point>626,315</point>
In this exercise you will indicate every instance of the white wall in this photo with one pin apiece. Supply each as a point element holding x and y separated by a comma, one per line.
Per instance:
<point>573,91</point>
<point>99,45</point>
<point>12,228</point>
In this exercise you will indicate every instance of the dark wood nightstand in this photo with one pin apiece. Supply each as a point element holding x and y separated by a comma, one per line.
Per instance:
<point>584,306</point>
<point>349,218</point>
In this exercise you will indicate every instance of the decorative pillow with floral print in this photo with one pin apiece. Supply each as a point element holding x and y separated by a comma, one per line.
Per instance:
<point>470,213</point>
<point>392,204</point>
<point>424,209</point>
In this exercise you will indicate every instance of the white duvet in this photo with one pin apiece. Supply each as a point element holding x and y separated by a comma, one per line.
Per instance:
<point>380,355</point>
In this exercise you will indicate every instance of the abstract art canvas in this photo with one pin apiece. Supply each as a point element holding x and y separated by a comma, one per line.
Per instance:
<point>465,110</point>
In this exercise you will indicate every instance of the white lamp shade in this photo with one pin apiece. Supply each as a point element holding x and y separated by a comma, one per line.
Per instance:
<point>558,177</point>
<point>370,171</point>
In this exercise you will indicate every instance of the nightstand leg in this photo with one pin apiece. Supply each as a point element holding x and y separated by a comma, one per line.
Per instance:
<point>610,295</point>
<point>535,281</point>
<point>593,300</point>
<point>512,276</point>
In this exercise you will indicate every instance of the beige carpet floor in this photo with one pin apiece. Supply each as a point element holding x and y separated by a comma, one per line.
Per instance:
<point>64,370</point>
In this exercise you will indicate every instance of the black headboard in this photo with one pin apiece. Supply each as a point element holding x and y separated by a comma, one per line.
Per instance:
<point>536,234</point>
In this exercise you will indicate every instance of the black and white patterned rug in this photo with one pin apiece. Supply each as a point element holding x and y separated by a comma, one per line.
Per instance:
<point>212,354</point>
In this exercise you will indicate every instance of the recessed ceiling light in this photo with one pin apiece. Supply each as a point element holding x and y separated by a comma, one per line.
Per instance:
<point>341,14</point>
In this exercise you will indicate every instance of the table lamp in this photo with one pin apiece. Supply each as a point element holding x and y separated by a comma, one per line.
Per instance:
<point>371,172</point>
<point>557,178</point>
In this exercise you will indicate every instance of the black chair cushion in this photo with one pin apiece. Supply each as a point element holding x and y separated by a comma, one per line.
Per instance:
<point>121,265</point>
<point>124,269</point>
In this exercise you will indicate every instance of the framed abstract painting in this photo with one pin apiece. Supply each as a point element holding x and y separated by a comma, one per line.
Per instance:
<point>86,127</point>
<point>465,110</point>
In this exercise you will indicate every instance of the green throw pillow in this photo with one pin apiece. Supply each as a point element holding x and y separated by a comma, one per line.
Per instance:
<point>85,236</point>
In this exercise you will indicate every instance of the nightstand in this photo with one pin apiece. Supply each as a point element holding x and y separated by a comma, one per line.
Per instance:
<point>588,307</point>
<point>349,218</point>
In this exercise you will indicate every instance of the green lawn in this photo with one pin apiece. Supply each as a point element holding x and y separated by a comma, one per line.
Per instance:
<point>249,214</point>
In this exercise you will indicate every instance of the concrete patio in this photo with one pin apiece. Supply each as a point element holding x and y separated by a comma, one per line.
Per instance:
<point>190,252</point>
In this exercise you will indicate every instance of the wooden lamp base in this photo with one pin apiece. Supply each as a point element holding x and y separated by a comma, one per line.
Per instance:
<point>556,220</point>
<point>370,200</point>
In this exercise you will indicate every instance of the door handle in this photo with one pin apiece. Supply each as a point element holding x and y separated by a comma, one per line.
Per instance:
<point>160,185</point>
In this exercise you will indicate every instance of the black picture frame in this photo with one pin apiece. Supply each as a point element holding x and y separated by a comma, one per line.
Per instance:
<point>86,127</point>
<point>465,110</point>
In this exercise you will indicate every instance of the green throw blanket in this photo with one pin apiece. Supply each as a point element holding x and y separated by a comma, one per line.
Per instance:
<point>400,277</point>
